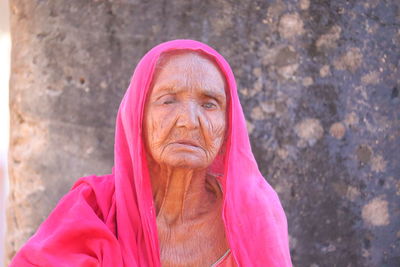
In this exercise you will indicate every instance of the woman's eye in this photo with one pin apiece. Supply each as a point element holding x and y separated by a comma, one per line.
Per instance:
<point>167,100</point>
<point>209,105</point>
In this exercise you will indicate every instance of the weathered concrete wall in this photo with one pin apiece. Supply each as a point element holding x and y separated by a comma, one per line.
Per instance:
<point>5,51</point>
<point>318,80</point>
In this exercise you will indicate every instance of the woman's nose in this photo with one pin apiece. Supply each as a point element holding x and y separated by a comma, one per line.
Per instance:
<point>188,116</point>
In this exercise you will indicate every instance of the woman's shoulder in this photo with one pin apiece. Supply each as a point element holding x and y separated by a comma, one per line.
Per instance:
<point>79,231</point>
<point>98,192</point>
<point>96,182</point>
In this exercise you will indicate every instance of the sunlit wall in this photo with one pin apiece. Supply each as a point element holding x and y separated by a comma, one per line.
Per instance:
<point>5,47</point>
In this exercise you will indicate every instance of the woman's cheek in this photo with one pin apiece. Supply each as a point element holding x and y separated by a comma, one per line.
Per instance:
<point>160,121</point>
<point>219,126</point>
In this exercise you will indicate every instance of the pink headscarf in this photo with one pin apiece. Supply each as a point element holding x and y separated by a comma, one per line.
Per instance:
<point>110,220</point>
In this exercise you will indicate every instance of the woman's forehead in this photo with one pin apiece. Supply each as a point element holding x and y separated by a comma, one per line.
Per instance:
<point>187,68</point>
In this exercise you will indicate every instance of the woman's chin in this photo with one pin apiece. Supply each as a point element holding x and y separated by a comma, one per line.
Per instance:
<point>187,161</point>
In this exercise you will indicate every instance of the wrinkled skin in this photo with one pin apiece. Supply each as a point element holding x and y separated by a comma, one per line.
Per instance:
<point>185,119</point>
<point>184,130</point>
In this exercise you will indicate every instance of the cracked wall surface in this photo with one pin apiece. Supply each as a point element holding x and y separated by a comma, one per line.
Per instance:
<point>318,81</point>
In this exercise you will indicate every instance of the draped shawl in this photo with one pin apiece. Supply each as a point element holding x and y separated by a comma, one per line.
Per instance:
<point>110,220</point>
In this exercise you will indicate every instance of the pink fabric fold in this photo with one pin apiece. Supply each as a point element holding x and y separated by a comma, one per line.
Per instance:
<point>110,220</point>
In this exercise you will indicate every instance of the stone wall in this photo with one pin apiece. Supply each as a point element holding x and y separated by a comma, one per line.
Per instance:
<point>318,81</point>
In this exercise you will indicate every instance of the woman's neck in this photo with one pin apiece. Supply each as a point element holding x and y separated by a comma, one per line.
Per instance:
<point>182,194</point>
<point>190,228</point>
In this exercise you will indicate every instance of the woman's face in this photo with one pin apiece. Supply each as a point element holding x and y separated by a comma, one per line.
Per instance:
<point>185,114</point>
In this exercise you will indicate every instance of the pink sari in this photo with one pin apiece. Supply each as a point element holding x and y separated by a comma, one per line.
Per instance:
<point>110,220</point>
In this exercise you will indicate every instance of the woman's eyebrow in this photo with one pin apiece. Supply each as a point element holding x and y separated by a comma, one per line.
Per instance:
<point>165,89</point>
<point>171,88</point>
<point>213,94</point>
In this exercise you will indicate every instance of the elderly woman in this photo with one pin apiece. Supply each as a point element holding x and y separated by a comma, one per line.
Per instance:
<point>185,188</point>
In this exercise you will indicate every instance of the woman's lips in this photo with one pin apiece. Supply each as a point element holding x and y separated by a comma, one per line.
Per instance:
<point>187,143</point>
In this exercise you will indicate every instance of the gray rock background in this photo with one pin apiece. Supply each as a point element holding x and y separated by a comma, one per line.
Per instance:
<point>318,81</point>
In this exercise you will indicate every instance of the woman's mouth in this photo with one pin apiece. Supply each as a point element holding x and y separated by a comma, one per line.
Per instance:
<point>187,143</point>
